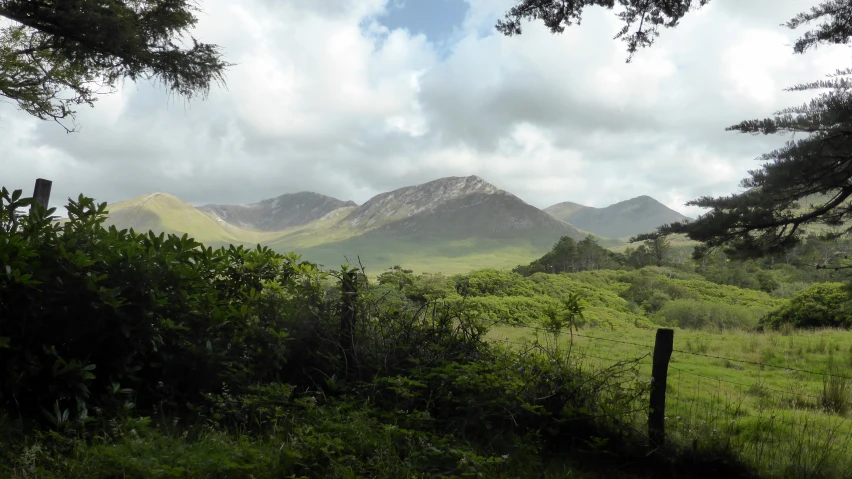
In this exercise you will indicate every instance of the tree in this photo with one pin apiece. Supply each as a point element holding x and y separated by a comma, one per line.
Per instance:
<point>642,18</point>
<point>808,181</point>
<point>57,54</point>
<point>567,255</point>
<point>659,248</point>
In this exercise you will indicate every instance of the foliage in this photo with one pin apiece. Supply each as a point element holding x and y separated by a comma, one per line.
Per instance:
<point>643,16</point>
<point>103,319</point>
<point>568,255</point>
<point>804,183</point>
<point>820,306</point>
<point>56,55</point>
<point>304,439</point>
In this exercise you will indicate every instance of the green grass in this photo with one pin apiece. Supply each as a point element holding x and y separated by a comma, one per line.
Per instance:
<point>344,441</point>
<point>776,418</point>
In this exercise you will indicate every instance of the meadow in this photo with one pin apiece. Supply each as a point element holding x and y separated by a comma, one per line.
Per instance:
<point>782,399</point>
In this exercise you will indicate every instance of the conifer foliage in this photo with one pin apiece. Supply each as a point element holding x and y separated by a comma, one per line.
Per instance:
<point>642,18</point>
<point>807,181</point>
<point>57,54</point>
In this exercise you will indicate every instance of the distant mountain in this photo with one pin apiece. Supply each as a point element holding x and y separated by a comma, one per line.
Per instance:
<point>446,218</point>
<point>281,213</point>
<point>621,220</point>
<point>454,206</point>
<point>161,212</point>
<point>451,225</point>
<point>565,210</point>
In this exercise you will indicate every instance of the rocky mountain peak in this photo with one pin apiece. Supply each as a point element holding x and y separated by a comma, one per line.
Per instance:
<point>279,213</point>
<point>412,200</point>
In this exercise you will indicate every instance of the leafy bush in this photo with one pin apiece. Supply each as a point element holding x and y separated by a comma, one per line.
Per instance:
<point>102,318</point>
<point>823,305</point>
<point>490,282</point>
<point>509,309</point>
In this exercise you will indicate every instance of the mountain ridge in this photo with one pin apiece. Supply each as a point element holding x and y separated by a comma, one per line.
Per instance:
<point>621,220</point>
<point>448,225</point>
<point>279,213</point>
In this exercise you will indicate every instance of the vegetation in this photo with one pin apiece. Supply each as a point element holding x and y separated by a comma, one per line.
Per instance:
<point>646,17</point>
<point>185,361</point>
<point>785,422</point>
<point>823,305</point>
<point>56,55</point>
<point>128,354</point>
<point>138,355</point>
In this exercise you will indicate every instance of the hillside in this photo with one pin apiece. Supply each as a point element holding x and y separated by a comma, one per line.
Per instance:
<point>450,224</point>
<point>565,210</point>
<point>454,207</point>
<point>620,220</point>
<point>161,212</point>
<point>278,214</point>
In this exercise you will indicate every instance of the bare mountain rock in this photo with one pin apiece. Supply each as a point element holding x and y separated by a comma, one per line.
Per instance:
<point>456,206</point>
<point>277,214</point>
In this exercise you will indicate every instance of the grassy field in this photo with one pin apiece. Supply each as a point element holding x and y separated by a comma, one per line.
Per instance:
<point>767,395</point>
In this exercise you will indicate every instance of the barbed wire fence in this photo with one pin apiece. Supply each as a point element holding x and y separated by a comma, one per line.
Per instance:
<point>787,430</point>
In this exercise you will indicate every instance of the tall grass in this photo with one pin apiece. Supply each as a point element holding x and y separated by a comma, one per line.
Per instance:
<point>785,423</point>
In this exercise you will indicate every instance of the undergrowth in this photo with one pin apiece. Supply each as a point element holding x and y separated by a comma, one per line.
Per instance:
<point>136,355</point>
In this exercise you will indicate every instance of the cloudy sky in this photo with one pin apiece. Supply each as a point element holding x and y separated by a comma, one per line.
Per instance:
<point>351,98</point>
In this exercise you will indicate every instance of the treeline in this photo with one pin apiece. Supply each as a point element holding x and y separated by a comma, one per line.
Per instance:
<point>571,256</point>
<point>814,260</point>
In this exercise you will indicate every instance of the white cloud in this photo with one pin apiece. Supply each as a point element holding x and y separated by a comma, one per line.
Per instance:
<point>324,98</point>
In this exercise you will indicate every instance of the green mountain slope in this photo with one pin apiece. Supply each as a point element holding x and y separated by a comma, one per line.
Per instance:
<point>565,210</point>
<point>160,212</point>
<point>620,220</point>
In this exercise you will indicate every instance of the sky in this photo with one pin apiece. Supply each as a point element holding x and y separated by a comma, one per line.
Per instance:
<point>351,98</point>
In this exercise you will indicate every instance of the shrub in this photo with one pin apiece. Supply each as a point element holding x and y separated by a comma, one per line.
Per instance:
<point>823,305</point>
<point>106,318</point>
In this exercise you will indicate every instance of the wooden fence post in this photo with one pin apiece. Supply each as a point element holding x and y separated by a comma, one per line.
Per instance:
<point>347,319</point>
<point>659,373</point>
<point>41,192</point>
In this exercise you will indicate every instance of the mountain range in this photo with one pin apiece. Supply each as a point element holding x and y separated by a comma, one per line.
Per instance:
<point>451,225</point>
<point>620,220</point>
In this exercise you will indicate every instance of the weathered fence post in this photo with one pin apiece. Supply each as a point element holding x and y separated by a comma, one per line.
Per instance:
<point>347,319</point>
<point>659,373</point>
<point>41,192</point>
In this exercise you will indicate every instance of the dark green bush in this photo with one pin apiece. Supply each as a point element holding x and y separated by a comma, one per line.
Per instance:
<point>106,318</point>
<point>823,305</point>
